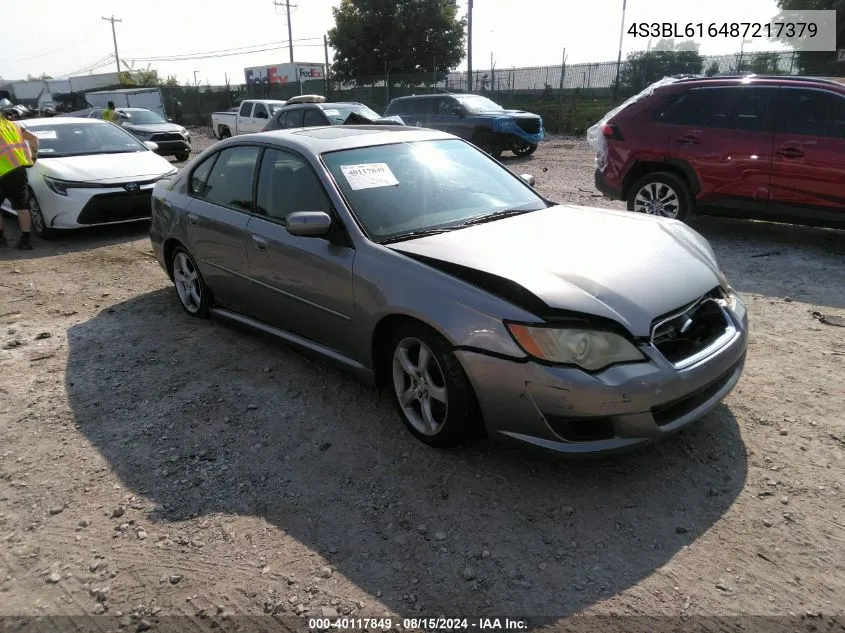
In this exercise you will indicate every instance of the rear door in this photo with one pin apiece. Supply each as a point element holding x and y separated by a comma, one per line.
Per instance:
<point>217,216</point>
<point>725,135</point>
<point>808,168</point>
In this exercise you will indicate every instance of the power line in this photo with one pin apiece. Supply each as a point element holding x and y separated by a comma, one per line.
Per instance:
<point>270,46</point>
<point>87,67</point>
<point>113,19</point>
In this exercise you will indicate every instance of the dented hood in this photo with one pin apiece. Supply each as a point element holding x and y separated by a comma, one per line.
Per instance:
<point>624,266</point>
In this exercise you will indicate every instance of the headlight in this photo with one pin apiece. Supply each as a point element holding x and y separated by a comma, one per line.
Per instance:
<point>56,186</point>
<point>589,349</point>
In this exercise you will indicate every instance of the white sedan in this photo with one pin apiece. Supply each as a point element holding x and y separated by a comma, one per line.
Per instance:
<point>90,172</point>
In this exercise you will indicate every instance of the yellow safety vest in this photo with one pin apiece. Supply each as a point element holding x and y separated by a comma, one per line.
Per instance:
<point>107,114</point>
<point>14,150</point>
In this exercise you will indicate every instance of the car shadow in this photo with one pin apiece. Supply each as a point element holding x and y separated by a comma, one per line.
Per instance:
<point>71,241</point>
<point>204,418</point>
<point>779,260</point>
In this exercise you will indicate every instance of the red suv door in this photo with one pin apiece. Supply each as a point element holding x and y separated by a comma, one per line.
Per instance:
<point>808,170</point>
<point>725,135</point>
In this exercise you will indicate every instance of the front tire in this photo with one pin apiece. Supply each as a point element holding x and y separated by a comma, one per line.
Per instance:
<point>485,141</point>
<point>663,194</point>
<point>524,149</point>
<point>431,392</point>
<point>193,294</point>
<point>38,222</point>
<point>182,157</point>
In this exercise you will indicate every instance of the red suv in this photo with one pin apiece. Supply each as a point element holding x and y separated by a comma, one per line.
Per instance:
<point>756,147</point>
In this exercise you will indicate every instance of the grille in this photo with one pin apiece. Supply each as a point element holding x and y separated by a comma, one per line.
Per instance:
<point>166,136</point>
<point>118,206</point>
<point>529,126</point>
<point>679,337</point>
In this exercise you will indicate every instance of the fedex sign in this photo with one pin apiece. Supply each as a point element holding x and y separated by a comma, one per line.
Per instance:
<point>283,74</point>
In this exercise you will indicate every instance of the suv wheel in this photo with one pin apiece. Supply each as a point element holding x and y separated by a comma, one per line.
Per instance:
<point>486,142</point>
<point>661,193</point>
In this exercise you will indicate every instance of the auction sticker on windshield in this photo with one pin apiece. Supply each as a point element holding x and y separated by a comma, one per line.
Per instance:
<point>44,133</point>
<point>369,175</point>
<point>332,112</point>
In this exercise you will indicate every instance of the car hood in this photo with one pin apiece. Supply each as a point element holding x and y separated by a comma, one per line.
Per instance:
<point>623,266</point>
<point>105,168</point>
<point>153,128</point>
<point>519,114</point>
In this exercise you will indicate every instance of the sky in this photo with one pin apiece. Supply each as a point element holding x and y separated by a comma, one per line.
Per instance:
<point>69,38</point>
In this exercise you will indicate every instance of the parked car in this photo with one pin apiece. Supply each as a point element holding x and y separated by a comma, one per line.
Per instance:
<point>250,117</point>
<point>89,172</point>
<point>146,125</point>
<point>316,112</point>
<point>419,262</point>
<point>768,148</point>
<point>475,118</point>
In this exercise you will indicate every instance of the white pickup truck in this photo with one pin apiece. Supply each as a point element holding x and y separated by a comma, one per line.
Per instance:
<point>250,117</point>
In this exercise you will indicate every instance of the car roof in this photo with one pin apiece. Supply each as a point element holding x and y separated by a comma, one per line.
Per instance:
<point>135,109</point>
<point>329,138</point>
<point>766,80</point>
<point>322,104</point>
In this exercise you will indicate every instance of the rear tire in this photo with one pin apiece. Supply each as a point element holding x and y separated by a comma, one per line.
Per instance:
<point>430,390</point>
<point>224,133</point>
<point>485,141</point>
<point>182,157</point>
<point>194,295</point>
<point>664,194</point>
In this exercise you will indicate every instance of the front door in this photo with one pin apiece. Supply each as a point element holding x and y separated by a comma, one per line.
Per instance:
<point>808,170</point>
<point>302,284</point>
<point>217,217</point>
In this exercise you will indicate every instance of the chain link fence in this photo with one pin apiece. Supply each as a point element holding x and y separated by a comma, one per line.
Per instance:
<point>570,98</point>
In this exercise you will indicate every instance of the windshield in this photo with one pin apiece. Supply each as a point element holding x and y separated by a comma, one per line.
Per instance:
<point>273,107</point>
<point>395,190</point>
<point>337,113</point>
<point>84,139</point>
<point>144,117</point>
<point>477,104</point>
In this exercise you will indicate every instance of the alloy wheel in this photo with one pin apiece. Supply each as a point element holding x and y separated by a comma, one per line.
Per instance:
<point>420,386</point>
<point>657,198</point>
<point>188,283</point>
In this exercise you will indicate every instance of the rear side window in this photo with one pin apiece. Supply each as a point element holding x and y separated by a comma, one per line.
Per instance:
<point>426,106</point>
<point>294,119</point>
<point>736,108</point>
<point>313,118</point>
<point>199,179</point>
<point>230,182</point>
<point>811,113</point>
<point>399,106</point>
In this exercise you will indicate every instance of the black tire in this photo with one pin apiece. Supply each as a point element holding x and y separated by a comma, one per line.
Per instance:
<point>525,149</point>
<point>663,182</point>
<point>199,309</point>
<point>460,420</point>
<point>37,217</point>
<point>484,140</point>
<point>182,157</point>
<point>225,133</point>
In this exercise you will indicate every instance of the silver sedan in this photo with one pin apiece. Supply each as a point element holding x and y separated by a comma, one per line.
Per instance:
<point>420,263</point>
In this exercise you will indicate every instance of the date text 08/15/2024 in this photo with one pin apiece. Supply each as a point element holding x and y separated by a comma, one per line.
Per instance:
<point>426,624</point>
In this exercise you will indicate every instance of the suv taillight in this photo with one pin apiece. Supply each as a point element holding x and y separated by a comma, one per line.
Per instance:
<point>611,131</point>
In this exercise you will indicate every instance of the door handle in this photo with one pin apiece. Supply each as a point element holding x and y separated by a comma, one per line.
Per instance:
<point>260,242</point>
<point>789,152</point>
<point>689,139</point>
<point>193,219</point>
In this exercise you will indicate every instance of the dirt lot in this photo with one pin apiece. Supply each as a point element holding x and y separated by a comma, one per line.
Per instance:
<point>153,465</point>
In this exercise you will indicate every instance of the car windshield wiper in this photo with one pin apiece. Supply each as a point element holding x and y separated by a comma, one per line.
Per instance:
<point>496,215</point>
<point>410,235</point>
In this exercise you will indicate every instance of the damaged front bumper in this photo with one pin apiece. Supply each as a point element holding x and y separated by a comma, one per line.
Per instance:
<point>566,410</point>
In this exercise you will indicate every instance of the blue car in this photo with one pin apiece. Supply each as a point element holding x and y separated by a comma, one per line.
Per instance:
<point>475,118</point>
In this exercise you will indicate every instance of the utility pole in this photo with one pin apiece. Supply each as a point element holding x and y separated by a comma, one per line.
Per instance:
<point>113,19</point>
<point>469,46</point>
<point>619,56</point>
<point>326,53</point>
<point>287,6</point>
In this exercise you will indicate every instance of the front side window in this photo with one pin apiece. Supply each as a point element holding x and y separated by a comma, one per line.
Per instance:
<point>260,111</point>
<point>287,183</point>
<point>402,189</point>
<point>230,182</point>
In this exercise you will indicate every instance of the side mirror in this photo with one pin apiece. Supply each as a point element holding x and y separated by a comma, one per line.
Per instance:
<point>528,178</point>
<point>308,223</point>
<point>261,115</point>
<point>456,110</point>
<point>151,146</point>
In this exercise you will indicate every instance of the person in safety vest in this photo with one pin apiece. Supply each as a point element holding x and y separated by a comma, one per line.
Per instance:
<point>110,114</point>
<point>18,150</point>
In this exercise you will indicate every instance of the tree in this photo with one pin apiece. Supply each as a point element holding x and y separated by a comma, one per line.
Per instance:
<point>171,81</point>
<point>761,63</point>
<point>642,68</point>
<point>713,69</point>
<point>813,62</point>
<point>142,78</point>
<point>372,38</point>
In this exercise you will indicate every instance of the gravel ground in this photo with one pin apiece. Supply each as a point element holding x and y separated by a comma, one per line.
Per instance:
<point>154,465</point>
